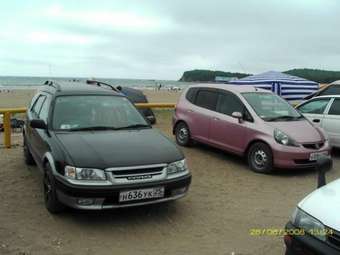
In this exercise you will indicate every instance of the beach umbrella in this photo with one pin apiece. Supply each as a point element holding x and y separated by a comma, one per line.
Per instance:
<point>289,87</point>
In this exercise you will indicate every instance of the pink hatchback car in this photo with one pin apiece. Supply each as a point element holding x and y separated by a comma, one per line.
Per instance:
<point>250,122</point>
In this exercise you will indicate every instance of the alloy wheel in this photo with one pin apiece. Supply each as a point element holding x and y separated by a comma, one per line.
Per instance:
<point>260,158</point>
<point>47,188</point>
<point>183,134</point>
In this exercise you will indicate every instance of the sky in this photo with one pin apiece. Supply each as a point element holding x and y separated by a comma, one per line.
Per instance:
<point>160,39</point>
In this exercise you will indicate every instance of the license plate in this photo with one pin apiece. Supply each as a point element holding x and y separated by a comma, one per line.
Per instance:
<point>140,194</point>
<point>316,155</point>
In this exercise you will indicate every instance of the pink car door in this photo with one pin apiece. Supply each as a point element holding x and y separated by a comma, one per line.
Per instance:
<point>201,113</point>
<point>227,132</point>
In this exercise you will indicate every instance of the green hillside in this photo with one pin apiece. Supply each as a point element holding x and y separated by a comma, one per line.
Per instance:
<point>321,76</point>
<point>207,75</point>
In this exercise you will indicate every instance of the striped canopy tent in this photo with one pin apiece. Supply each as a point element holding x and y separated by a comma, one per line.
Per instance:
<point>289,87</point>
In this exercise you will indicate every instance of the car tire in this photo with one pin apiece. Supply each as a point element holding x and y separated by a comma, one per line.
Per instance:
<point>29,160</point>
<point>50,194</point>
<point>182,134</point>
<point>260,158</point>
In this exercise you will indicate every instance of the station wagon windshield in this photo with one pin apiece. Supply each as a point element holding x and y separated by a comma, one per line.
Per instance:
<point>271,107</point>
<point>95,112</point>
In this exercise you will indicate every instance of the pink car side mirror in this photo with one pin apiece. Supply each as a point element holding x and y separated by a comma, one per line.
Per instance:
<point>237,115</point>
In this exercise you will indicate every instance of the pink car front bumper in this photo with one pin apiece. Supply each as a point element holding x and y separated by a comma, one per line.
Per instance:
<point>296,157</point>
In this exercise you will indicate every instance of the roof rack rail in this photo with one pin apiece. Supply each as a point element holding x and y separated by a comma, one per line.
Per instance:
<point>52,84</point>
<point>100,83</point>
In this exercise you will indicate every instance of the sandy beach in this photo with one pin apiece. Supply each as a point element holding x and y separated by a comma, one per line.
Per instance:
<point>16,98</point>
<point>162,96</point>
<point>22,97</point>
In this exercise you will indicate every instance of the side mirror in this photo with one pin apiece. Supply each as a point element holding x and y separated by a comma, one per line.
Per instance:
<point>40,124</point>
<point>237,115</point>
<point>151,119</point>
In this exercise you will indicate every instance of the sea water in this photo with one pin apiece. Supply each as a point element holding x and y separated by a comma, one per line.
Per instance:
<point>27,82</point>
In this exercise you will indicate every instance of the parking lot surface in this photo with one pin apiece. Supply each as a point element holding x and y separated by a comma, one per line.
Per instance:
<point>225,203</point>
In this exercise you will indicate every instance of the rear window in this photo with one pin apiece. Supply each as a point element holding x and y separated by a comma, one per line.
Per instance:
<point>331,90</point>
<point>206,99</point>
<point>38,104</point>
<point>335,108</point>
<point>190,95</point>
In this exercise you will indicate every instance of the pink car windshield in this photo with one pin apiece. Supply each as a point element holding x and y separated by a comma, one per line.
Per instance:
<point>271,107</point>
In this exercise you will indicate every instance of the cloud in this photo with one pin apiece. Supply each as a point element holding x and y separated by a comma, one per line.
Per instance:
<point>161,39</point>
<point>108,19</point>
<point>45,37</point>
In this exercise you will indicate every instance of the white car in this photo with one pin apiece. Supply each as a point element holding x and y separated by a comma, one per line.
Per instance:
<point>324,111</point>
<point>1,122</point>
<point>314,227</point>
<point>330,89</point>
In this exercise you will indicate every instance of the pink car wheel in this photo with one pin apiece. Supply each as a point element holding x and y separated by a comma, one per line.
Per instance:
<point>182,133</point>
<point>260,158</point>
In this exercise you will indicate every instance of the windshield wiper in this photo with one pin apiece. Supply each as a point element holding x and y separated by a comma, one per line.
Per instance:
<point>92,128</point>
<point>133,126</point>
<point>283,117</point>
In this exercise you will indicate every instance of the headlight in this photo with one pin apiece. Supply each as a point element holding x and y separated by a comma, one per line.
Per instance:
<point>87,174</point>
<point>311,225</point>
<point>283,138</point>
<point>177,167</point>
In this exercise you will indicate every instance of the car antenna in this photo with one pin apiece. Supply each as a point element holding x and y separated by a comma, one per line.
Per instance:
<point>52,84</point>
<point>100,83</point>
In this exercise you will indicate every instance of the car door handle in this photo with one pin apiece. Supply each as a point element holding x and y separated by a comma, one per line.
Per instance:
<point>215,118</point>
<point>316,120</point>
<point>190,110</point>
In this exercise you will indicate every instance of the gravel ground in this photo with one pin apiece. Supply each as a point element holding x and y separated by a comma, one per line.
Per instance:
<point>225,202</point>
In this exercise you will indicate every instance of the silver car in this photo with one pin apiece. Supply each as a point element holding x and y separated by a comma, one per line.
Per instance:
<point>1,122</point>
<point>324,111</point>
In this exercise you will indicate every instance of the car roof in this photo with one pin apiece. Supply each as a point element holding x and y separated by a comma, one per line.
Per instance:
<point>229,87</point>
<point>335,82</point>
<point>71,88</point>
<point>326,96</point>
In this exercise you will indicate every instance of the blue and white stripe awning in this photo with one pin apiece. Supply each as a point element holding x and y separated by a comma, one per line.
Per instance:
<point>289,87</point>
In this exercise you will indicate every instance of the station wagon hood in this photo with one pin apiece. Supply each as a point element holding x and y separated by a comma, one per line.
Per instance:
<point>104,149</point>
<point>324,204</point>
<point>301,131</point>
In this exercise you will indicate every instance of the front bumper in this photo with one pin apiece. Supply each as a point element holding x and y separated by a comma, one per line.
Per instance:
<point>306,244</point>
<point>105,197</point>
<point>295,157</point>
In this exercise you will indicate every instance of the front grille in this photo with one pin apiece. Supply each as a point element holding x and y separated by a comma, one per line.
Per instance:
<point>313,146</point>
<point>138,174</point>
<point>137,171</point>
<point>334,238</point>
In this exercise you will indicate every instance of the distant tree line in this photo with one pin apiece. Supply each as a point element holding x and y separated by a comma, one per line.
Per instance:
<point>321,76</point>
<point>207,75</point>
